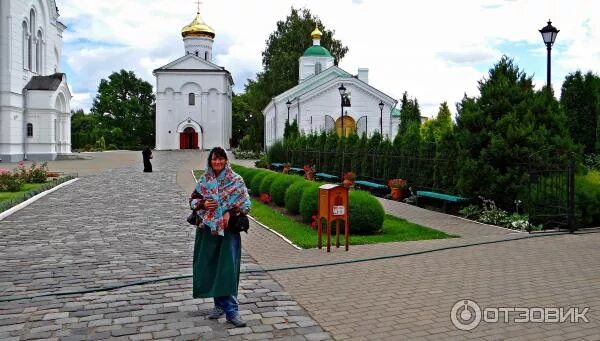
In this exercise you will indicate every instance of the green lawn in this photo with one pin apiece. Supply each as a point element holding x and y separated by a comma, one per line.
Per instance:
<point>13,195</point>
<point>394,229</point>
<point>197,173</point>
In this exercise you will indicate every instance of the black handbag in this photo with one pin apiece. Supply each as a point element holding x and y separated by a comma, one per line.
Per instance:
<point>194,218</point>
<point>238,223</point>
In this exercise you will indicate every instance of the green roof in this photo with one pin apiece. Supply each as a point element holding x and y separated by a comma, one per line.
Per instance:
<point>317,51</point>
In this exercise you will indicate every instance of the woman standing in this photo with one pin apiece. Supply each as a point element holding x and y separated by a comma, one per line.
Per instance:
<point>146,156</point>
<point>217,251</point>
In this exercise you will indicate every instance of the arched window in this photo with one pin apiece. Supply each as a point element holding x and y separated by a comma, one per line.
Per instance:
<point>25,43</point>
<point>318,68</point>
<point>30,44</point>
<point>191,99</point>
<point>38,52</point>
<point>196,53</point>
<point>29,130</point>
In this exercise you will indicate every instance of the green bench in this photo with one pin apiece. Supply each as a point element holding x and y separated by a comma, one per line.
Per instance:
<point>373,187</point>
<point>277,166</point>
<point>445,198</point>
<point>297,170</point>
<point>328,177</point>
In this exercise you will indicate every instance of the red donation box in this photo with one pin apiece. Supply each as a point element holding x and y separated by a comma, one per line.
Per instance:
<point>333,206</point>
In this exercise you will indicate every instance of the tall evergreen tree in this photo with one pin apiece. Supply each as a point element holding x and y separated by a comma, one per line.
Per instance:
<point>497,132</point>
<point>580,98</point>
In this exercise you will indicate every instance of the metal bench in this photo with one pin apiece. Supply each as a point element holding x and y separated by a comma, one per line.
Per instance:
<point>277,166</point>
<point>297,170</point>
<point>445,198</point>
<point>328,177</point>
<point>372,187</point>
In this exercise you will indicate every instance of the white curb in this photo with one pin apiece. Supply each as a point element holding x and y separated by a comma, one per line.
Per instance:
<point>275,232</point>
<point>34,199</point>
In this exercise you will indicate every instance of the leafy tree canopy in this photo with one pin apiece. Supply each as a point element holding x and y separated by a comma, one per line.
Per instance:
<point>124,109</point>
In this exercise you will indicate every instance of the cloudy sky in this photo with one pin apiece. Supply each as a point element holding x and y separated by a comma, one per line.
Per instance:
<point>435,50</point>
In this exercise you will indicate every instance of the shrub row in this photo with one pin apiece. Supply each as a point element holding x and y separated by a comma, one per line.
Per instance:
<point>300,196</point>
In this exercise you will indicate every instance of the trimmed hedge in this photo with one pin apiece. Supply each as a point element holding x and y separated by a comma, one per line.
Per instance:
<point>265,186</point>
<point>365,213</point>
<point>587,199</point>
<point>292,196</point>
<point>256,182</point>
<point>309,202</point>
<point>280,186</point>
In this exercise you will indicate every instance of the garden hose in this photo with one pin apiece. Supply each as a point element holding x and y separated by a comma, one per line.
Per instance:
<point>284,268</point>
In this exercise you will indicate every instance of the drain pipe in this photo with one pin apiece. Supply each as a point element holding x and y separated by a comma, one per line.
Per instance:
<point>24,124</point>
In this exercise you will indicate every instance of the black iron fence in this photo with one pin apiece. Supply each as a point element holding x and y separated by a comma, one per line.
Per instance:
<point>432,173</point>
<point>552,190</point>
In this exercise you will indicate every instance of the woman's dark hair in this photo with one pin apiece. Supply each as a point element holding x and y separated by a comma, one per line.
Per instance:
<point>218,152</point>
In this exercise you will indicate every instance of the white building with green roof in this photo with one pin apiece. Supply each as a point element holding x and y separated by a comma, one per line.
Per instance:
<point>315,103</point>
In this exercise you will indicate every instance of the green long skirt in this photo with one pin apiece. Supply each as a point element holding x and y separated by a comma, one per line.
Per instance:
<point>216,267</point>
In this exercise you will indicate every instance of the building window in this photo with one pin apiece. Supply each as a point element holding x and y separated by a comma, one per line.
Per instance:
<point>205,55</point>
<point>38,52</point>
<point>29,130</point>
<point>318,68</point>
<point>192,99</point>
<point>196,53</point>
<point>30,40</point>
<point>25,43</point>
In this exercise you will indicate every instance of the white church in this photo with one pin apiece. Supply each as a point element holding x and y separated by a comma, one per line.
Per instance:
<point>193,95</point>
<point>35,119</point>
<point>316,102</point>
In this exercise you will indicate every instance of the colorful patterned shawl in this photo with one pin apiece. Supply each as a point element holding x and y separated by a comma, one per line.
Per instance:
<point>228,190</point>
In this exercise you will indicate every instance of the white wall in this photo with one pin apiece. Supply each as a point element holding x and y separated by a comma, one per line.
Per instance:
<point>14,77</point>
<point>328,103</point>
<point>212,110</point>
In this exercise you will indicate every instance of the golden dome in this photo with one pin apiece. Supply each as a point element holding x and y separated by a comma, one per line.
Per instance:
<point>316,34</point>
<point>198,28</point>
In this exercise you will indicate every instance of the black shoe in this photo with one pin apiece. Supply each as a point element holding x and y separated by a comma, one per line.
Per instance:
<point>215,313</point>
<point>237,321</point>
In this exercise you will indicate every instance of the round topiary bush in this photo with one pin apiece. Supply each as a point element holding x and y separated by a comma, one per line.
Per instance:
<point>265,185</point>
<point>256,182</point>
<point>292,196</point>
<point>280,186</point>
<point>366,213</point>
<point>248,175</point>
<point>309,202</point>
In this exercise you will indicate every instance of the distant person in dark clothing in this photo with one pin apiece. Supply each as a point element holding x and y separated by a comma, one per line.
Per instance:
<point>147,155</point>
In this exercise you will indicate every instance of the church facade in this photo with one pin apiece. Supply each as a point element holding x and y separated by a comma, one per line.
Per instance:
<point>193,95</point>
<point>35,119</point>
<point>317,104</point>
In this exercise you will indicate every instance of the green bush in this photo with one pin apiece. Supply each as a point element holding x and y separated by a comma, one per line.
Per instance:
<point>292,196</point>
<point>248,174</point>
<point>366,213</point>
<point>276,152</point>
<point>587,199</point>
<point>256,182</point>
<point>265,185</point>
<point>10,181</point>
<point>309,202</point>
<point>280,186</point>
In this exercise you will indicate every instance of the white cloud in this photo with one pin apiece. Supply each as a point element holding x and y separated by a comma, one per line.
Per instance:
<point>435,50</point>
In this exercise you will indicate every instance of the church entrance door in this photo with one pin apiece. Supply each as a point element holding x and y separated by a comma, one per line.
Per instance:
<point>188,139</point>
<point>349,126</point>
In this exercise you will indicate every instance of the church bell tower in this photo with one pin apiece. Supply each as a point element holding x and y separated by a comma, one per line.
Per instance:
<point>198,38</point>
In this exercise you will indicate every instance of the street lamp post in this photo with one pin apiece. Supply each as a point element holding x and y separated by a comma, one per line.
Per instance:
<point>289,104</point>
<point>381,117</point>
<point>342,90</point>
<point>549,34</point>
